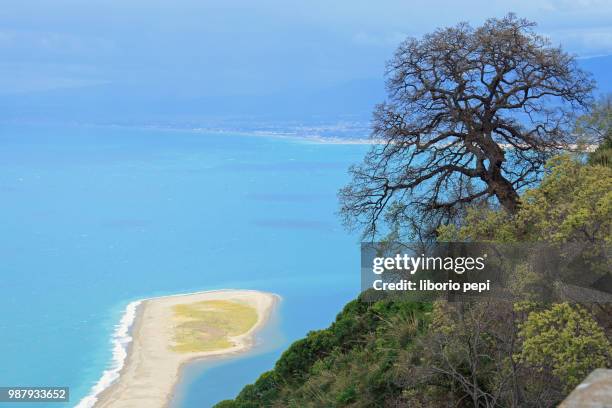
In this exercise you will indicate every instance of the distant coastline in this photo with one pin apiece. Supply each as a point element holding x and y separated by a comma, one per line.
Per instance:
<point>327,133</point>
<point>141,345</point>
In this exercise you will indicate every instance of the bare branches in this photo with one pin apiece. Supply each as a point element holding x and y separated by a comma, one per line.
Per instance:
<point>471,113</point>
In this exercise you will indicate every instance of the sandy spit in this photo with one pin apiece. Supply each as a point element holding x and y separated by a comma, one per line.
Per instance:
<point>152,369</point>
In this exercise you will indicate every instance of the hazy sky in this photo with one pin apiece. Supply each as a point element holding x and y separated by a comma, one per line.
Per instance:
<point>189,47</point>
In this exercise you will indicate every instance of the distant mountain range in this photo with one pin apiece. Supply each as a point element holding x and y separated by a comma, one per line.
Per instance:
<point>601,68</point>
<point>352,101</point>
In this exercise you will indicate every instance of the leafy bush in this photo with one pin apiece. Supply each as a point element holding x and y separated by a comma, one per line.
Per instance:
<point>565,339</point>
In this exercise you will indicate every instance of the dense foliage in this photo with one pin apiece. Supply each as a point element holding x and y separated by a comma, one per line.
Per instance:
<point>573,203</point>
<point>349,364</point>
<point>566,340</point>
<point>398,353</point>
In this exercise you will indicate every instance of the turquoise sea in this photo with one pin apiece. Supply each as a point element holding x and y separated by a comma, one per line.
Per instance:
<point>93,218</point>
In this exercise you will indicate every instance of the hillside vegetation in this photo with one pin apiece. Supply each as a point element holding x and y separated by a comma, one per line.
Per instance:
<point>351,362</point>
<point>490,353</point>
<point>396,353</point>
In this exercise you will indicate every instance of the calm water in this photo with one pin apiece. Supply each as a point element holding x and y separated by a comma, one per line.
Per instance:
<point>93,218</point>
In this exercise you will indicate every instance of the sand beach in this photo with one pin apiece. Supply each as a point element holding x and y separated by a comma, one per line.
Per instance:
<point>171,331</point>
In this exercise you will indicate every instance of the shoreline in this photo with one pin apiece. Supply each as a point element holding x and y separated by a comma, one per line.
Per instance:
<point>121,340</point>
<point>150,372</point>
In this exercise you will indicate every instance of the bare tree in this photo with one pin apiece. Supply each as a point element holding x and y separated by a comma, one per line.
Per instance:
<point>471,113</point>
<point>471,351</point>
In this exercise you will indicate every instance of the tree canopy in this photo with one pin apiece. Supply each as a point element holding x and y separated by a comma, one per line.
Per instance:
<point>471,113</point>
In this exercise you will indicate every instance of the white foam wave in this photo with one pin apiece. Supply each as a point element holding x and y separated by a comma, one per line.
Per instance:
<point>121,341</point>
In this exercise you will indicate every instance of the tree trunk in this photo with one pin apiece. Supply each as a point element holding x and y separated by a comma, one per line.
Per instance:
<point>505,192</point>
<point>500,186</point>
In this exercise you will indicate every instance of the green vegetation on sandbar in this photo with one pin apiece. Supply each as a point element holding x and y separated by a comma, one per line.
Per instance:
<point>208,325</point>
